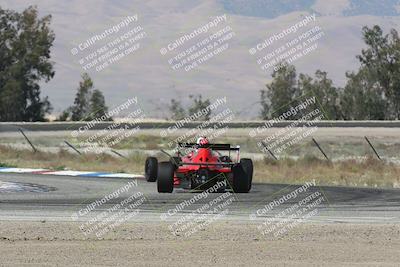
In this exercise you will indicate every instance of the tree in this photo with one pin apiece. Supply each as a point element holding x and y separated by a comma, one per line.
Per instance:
<point>285,92</point>
<point>25,42</point>
<point>65,115</point>
<point>381,63</point>
<point>176,110</point>
<point>98,106</point>
<point>327,95</point>
<point>199,105</point>
<point>362,98</point>
<point>89,103</point>
<point>371,93</point>
<point>265,105</point>
<point>81,109</point>
<point>280,92</point>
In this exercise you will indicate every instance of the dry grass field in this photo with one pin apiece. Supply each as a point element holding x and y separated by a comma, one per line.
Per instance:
<point>366,172</point>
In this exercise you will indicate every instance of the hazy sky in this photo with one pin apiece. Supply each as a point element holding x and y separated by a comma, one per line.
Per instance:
<point>169,50</point>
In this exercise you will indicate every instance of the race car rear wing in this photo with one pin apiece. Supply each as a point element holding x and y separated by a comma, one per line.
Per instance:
<point>221,147</point>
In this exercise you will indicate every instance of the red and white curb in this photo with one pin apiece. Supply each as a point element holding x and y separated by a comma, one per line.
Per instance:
<point>70,173</point>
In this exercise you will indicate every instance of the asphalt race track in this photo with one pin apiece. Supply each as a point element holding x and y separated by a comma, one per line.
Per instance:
<point>58,198</point>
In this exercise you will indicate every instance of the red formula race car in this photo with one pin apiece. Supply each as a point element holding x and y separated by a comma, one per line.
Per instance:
<point>200,167</point>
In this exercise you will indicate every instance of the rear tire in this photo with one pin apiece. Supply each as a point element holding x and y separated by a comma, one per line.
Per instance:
<point>240,182</point>
<point>165,180</point>
<point>248,169</point>
<point>151,169</point>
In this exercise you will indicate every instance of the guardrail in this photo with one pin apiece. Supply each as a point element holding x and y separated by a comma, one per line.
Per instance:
<point>66,126</point>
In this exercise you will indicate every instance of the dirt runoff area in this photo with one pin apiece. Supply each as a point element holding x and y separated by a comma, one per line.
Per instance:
<point>221,244</point>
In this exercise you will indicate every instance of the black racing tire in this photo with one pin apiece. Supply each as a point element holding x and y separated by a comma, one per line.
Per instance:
<point>248,169</point>
<point>240,183</point>
<point>165,179</point>
<point>151,169</point>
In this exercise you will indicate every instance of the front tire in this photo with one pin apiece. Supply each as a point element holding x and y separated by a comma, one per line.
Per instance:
<point>165,180</point>
<point>151,169</point>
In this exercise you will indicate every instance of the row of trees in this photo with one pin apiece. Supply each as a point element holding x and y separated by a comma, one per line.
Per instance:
<point>25,43</point>
<point>371,93</point>
<point>178,112</point>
